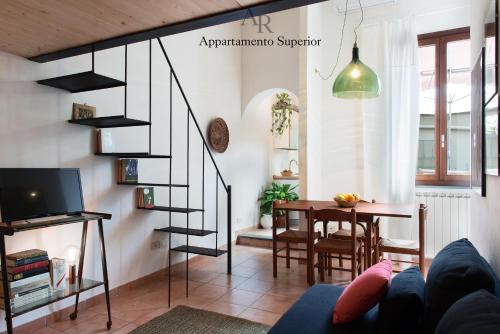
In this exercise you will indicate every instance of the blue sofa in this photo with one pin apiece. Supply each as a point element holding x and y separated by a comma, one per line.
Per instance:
<point>457,271</point>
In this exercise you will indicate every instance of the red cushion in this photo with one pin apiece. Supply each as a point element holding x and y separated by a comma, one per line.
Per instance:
<point>363,293</point>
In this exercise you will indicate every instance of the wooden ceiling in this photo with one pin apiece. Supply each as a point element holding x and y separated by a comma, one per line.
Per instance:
<point>31,28</point>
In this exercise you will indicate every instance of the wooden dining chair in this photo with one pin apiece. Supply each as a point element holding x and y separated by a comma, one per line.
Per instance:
<point>405,247</point>
<point>361,234</point>
<point>328,248</point>
<point>290,240</point>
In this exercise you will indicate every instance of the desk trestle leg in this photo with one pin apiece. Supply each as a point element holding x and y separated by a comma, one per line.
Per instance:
<point>80,269</point>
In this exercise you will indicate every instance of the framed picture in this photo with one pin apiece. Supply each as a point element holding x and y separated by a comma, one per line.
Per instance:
<point>478,177</point>
<point>491,136</point>
<point>491,52</point>
<point>83,111</point>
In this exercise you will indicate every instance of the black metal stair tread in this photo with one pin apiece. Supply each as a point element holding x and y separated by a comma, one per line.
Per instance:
<point>172,209</point>
<point>183,230</point>
<point>82,82</point>
<point>138,155</point>
<point>153,184</point>
<point>110,122</point>
<point>200,250</point>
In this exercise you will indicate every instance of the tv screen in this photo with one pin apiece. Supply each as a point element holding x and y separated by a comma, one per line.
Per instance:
<point>39,192</point>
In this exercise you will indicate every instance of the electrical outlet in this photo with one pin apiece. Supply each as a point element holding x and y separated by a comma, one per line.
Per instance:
<point>157,244</point>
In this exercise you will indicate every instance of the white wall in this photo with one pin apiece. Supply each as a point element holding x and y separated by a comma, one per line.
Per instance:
<point>342,122</point>
<point>270,67</point>
<point>485,212</point>
<point>34,133</point>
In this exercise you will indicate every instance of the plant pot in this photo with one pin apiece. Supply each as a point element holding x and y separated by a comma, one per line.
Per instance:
<point>266,221</point>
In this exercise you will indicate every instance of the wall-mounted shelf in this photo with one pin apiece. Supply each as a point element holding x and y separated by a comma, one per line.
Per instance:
<point>132,155</point>
<point>183,230</point>
<point>110,122</point>
<point>286,148</point>
<point>172,209</point>
<point>82,82</point>
<point>279,177</point>
<point>146,184</point>
<point>199,250</point>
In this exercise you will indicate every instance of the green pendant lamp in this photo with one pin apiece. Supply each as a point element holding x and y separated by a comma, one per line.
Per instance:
<point>356,81</point>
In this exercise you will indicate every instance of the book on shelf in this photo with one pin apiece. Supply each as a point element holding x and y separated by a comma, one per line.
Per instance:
<point>26,281</point>
<point>28,273</point>
<point>28,298</point>
<point>27,267</point>
<point>145,197</point>
<point>26,255</point>
<point>128,170</point>
<point>28,260</point>
<point>42,280</point>
<point>105,141</point>
<point>58,273</point>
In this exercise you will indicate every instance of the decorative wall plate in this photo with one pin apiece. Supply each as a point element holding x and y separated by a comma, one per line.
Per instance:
<point>218,135</point>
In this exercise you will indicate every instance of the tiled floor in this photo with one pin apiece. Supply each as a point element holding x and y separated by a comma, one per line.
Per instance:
<point>250,293</point>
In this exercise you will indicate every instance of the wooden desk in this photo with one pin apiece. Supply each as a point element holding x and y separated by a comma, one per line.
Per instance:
<point>9,229</point>
<point>365,211</point>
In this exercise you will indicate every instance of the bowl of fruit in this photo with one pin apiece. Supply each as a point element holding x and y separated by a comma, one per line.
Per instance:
<point>347,200</point>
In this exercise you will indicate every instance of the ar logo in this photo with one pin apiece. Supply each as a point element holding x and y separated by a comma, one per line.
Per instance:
<point>258,21</point>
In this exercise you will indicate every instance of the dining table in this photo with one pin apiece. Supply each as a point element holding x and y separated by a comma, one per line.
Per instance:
<point>367,213</point>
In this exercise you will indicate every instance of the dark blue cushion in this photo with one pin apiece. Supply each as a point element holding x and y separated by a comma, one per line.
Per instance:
<point>313,313</point>
<point>456,271</point>
<point>403,304</point>
<point>478,312</point>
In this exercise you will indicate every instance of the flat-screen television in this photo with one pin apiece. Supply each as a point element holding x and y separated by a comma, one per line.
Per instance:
<point>39,192</point>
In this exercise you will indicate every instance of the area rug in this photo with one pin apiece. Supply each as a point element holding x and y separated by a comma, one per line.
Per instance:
<point>187,320</point>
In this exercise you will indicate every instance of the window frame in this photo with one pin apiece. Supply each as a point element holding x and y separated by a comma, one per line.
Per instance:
<point>440,40</point>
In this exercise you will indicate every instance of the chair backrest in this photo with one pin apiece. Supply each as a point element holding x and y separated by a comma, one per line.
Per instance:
<point>327,215</point>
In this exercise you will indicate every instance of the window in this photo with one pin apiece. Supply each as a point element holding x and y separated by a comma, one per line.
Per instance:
<point>444,134</point>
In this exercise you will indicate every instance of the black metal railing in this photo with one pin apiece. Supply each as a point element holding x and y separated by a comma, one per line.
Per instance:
<point>218,176</point>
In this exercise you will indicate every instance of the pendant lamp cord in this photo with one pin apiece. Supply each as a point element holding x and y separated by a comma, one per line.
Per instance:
<point>342,40</point>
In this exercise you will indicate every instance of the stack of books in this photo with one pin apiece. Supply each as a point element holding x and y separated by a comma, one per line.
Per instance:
<point>128,171</point>
<point>29,278</point>
<point>145,197</point>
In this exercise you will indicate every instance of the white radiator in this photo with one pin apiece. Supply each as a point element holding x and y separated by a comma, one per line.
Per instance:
<point>448,216</point>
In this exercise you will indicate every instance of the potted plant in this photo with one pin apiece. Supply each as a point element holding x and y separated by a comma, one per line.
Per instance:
<point>282,113</point>
<point>275,192</point>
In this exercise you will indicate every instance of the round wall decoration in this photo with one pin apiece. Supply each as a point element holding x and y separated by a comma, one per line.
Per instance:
<point>218,135</point>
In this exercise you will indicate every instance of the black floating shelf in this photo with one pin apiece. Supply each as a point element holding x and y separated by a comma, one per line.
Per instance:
<point>109,122</point>
<point>82,82</point>
<point>153,184</point>
<point>138,155</point>
<point>183,230</point>
<point>199,250</point>
<point>172,209</point>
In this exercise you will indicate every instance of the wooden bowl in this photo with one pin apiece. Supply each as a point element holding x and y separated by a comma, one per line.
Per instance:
<point>286,173</point>
<point>345,204</point>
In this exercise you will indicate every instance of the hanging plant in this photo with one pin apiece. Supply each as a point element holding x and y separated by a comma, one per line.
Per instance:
<point>282,113</point>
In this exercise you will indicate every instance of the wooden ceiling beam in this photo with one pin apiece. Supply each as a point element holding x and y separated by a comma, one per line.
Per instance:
<point>176,28</point>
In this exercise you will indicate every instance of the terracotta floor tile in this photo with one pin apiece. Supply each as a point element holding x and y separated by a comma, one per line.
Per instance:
<point>46,330</point>
<point>231,281</point>
<point>225,308</point>
<point>263,317</point>
<point>254,285</point>
<point>240,297</point>
<point>126,329</point>
<point>83,317</point>
<point>150,315</point>
<point>209,291</point>
<point>273,303</point>
<point>241,270</point>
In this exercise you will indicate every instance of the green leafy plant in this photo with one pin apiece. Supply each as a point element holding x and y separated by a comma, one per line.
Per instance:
<point>283,192</point>
<point>282,113</point>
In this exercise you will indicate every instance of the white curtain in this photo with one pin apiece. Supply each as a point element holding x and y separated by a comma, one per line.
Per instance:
<point>391,121</point>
